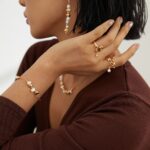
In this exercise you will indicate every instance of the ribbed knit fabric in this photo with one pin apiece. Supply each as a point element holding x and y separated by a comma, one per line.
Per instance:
<point>111,113</point>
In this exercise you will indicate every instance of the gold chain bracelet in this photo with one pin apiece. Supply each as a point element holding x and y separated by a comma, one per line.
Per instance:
<point>29,84</point>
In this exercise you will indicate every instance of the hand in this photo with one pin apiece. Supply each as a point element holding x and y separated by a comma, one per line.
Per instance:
<point>77,55</point>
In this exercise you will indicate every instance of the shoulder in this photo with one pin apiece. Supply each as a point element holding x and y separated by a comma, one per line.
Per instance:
<point>122,80</point>
<point>126,79</point>
<point>136,84</point>
<point>124,93</point>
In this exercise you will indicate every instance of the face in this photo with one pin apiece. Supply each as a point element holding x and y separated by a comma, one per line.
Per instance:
<point>47,17</point>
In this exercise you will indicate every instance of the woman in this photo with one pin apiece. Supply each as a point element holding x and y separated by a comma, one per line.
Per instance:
<point>78,90</point>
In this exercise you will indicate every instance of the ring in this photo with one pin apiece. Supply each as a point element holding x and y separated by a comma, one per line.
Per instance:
<point>98,48</point>
<point>112,64</point>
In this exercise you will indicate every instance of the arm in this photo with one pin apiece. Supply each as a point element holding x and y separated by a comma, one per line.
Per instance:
<point>41,74</point>
<point>29,122</point>
<point>44,72</point>
<point>120,124</point>
<point>17,118</point>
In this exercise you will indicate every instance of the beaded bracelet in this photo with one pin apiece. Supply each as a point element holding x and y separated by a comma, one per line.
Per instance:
<point>29,84</point>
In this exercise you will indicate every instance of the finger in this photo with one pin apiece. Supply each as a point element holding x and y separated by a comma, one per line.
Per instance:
<point>120,37</point>
<point>111,35</point>
<point>122,58</point>
<point>123,33</point>
<point>99,31</point>
<point>116,53</point>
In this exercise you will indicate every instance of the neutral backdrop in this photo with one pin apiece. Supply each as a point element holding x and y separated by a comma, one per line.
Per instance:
<point>15,39</point>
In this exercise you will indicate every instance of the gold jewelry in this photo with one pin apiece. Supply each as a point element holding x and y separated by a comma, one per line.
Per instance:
<point>98,48</point>
<point>62,86</point>
<point>112,64</point>
<point>68,17</point>
<point>29,84</point>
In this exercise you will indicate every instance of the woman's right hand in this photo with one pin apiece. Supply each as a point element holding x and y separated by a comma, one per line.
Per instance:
<point>77,55</point>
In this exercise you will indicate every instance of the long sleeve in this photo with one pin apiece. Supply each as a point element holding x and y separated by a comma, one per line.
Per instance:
<point>13,118</point>
<point>121,123</point>
<point>14,121</point>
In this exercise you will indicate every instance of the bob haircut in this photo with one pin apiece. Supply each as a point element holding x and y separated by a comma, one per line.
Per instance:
<point>91,13</point>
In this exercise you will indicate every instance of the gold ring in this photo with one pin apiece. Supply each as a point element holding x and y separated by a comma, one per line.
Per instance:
<point>98,48</point>
<point>112,64</point>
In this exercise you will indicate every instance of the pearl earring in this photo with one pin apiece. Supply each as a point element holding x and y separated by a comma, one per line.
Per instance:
<point>68,17</point>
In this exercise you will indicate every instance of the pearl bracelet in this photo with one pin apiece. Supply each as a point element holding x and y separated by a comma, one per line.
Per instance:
<point>29,84</point>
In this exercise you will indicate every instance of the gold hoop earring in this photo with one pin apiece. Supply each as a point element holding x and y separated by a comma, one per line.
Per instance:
<point>68,17</point>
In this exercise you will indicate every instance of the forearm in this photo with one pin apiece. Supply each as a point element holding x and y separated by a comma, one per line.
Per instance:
<point>42,77</point>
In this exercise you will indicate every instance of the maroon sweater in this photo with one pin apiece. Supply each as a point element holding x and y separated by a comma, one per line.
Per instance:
<point>111,113</point>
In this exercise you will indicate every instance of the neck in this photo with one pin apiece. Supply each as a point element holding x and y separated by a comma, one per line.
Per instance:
<point>62,36</point>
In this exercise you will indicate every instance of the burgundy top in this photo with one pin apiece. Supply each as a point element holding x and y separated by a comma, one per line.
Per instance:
<point>111,113</point>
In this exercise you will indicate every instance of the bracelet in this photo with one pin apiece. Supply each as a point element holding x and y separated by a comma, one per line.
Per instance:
<point>29,84</point>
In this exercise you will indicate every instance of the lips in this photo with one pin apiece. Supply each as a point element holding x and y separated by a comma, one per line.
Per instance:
<point>25,15</point>
<point>27,21</point>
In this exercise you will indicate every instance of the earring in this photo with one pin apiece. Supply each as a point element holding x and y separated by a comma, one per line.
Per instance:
<point>68,17</point>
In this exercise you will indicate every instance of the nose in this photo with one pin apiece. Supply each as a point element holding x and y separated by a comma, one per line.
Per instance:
<point>22,3</point>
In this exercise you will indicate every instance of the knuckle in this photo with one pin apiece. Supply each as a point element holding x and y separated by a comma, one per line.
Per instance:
<point>115,44</point>
<point>110,39</point>
<point>96,34</point>
<point>105,28</point>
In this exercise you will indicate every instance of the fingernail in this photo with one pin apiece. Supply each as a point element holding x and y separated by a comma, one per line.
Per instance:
<point>111,22</point>
<point>120,19</point>
<point>130,24</point>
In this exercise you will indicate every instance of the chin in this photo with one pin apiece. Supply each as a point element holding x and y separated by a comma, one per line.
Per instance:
<point>39,34</point>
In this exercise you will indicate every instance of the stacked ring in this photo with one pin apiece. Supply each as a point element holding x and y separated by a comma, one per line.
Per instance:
<point>112,64</point>
<point>98,48</point>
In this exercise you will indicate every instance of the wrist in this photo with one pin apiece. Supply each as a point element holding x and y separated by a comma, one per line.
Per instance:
<point>42,75</point>
<point>49,65</point>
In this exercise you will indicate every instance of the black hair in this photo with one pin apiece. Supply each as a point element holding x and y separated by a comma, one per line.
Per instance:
<point>91,13</point>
